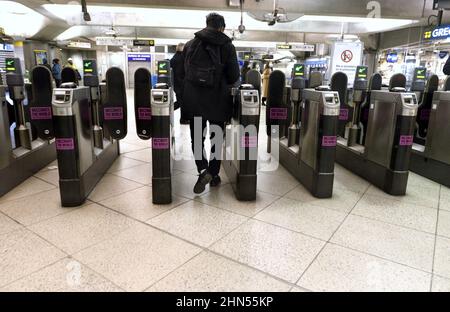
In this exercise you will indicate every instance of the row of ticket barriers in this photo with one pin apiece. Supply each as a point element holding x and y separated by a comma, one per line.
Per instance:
<point>378,132</point>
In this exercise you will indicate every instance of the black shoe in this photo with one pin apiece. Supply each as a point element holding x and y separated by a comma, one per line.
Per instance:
<point>215,181</point>
<point>203,179</point>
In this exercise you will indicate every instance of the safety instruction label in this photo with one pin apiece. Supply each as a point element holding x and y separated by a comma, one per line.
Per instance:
<point>144,113</point>
<point>278,113</point>
<point>41,113</point>
<point>65,144</point>
<point>160,143</point>
<point>329,141</point>
<point>249,142</point>
<point>113,113</point>
<point>343,114</point>
<point>406,140</point>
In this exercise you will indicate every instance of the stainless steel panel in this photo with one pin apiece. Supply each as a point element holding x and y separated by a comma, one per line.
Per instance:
<point>161,102</point>
<point>5,137</point>
<point>250,102</point>
<point>438,139</point>
<point>310,129</point>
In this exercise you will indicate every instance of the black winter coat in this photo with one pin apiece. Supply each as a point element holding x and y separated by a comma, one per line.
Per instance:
<point>446,68</point>
<point>214,104</point>
<point>177,65</point>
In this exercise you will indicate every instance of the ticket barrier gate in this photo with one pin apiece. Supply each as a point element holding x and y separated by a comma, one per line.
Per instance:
<point>384,158</point>
<point>310,156</point>
<point>430,153</point>
<point>82,163</point>
<point>24,152</point>
<point>240,150</point>
<point>154,120</point>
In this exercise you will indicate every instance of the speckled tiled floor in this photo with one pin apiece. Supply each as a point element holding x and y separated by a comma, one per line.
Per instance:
<point>360,240</point>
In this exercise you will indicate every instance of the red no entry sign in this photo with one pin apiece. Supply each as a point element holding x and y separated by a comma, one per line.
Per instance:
<point>347,56</point>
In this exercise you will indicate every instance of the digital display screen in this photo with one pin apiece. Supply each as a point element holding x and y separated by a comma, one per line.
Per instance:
<point>361,72</point>
<point>163,67</point>
<point>420,74</point>
<point>10,65</point>
<point>299,70</point>
<point>88,66</point>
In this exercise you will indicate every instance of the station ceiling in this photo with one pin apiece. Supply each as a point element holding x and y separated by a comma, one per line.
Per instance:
<point>312,20</point>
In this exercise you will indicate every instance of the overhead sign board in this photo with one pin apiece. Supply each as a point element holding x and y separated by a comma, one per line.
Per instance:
<point>346,57</point>
<point>303,47</point>
<point>139,57</point>
<point>392,57</point>
<point>438,33</point>
<point>82,45</point>
<point>113,41</point>
<point>284,46</point>
<point>143,43</point>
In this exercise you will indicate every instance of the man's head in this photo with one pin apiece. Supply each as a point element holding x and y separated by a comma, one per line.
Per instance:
<point>180,47</point>
<point>55,61</point>
<point>215,21</point>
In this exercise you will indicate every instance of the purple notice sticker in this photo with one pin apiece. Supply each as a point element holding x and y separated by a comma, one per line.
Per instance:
<point>278,113</point>
<point>41,113</point>
<point>65,144</point>
<point>425,114</point>
<point>113,113</point>
<point>343,115</point>
<point>249,141</point>
<point>406,140</point>
<point>160,143</point>
<point>144,113</point>
<point>329,141</point>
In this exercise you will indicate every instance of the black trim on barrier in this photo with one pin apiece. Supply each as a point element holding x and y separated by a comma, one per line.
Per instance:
<point>397,81</point>
<point>253,77</point>
<point>447,84</point>
<point>142,105</point>
<point>41,103</point>
<point>276,108</point>
<point>115,107</point>
<point>424,110</point>
<point>375,83</point>
<point>339,83</point>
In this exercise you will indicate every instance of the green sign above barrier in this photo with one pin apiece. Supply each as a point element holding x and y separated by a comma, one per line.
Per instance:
<point>420,74</point>
<point>299,70</point>
<point>10,65</point>
<point>362,72</point>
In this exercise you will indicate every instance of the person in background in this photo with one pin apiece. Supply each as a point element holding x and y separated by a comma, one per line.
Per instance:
<point>244,70</point>
<point>265,81</point>
<point>177,65</point>
<point>56,72</point>
<point>211,67</point>
<point>72,65</point>
<point>46,64</point>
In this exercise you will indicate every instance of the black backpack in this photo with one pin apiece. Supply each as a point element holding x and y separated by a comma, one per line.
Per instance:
<point>203,64</point>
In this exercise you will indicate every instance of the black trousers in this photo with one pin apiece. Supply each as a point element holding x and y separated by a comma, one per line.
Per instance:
<point>198,145</point>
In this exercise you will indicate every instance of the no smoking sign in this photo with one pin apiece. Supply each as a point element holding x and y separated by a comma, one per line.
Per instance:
<point>347,56</point>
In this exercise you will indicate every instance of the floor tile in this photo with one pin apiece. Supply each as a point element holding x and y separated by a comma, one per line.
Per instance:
<point>124,163</point>
<point>67,275</point>
<point>417,180</point>
<point>140,174</point>
<point>440,284</point>
<point>342,200</point>
<point>224,197</point>
<point>144,155</point>
<point>399,244</point>
<point>304,218</point>
<point>298,289</point>
<point>276,185</point>
<point>444,223</point>
<point>347,180</point>
<point>8,225</point>
<point>442,257</point>
<point>137,258</point>
<point>29,187</point>
<point>50,176</point>
<point>183,185</point>
<point>415,194</point>
<point>211,273</point>
<point>126,147</point>
<point>35,208</point>
<point>111,185</point>
<point>340,269</point>
<point>185,165</point>
<point>23,252</point>
<point>271,249</point>
<point>444,203</point>
<point>82,228</point>
<point>138,204</point>
<point>397,212</point>
<point>198,223</point>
